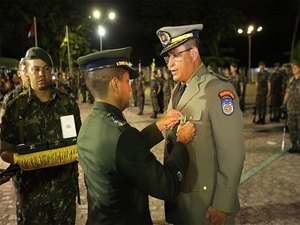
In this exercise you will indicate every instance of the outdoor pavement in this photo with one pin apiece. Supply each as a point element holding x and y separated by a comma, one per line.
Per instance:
<point>270,185</point>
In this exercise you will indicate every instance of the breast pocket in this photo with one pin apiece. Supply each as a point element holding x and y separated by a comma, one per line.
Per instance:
<point>32,130</point>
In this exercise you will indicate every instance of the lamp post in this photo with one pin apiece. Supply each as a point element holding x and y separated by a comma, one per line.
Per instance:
<point>250,31</point>
<point>101,30</point>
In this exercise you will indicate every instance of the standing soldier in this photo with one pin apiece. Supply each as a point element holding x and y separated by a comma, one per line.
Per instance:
<point>140,92</point>
<point>262,92</point>
<point>244,79</point>
<point>168,85</point>
<point>160,94</point>
<point>236,81</point>
<point>82,85</point>
<point>154,89</point>
<point>276,80</point>
<point>292,100</point>
<point>36,121</point>
<point>134,91</point>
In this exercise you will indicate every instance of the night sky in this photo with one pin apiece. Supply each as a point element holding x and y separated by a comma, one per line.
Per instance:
<point>272,44</point>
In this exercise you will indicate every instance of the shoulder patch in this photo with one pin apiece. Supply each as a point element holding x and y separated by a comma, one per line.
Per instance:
<point>227,98</point>
<point>221,77</point>
<point>117,122</point>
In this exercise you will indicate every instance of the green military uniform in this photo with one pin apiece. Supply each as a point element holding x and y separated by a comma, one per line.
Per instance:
<point>167,89</point>
<point>217,151</point>
<point>154,86</point>
<point>276,80</point>
<point>120,171</point>
<point>140,94</point>
<point>44,196</point>
<point>10,96</point>
<point>293,109</point>
<point>261,95</point>
<point>210,180</point>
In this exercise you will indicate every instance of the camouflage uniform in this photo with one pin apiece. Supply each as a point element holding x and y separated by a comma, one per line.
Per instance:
<point>293,108</point>
<point>167,89</point>
<point>276,80</point>
<point>140,94</point>
<point>153,94</point>
<point>160,94</point>
<point>10,96</point>
<point>261,95</point>
<point>44,196</point>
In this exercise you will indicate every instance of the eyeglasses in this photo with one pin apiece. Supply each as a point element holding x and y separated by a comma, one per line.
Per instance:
<point>36,70</point>
<point>175,56</point>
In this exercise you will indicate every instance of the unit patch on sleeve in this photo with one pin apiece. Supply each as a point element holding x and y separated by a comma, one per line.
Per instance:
<point>227,98</point>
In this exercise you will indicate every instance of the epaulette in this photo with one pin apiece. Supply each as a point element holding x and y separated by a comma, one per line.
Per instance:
<point>221,77</point>
<point>117,122</point>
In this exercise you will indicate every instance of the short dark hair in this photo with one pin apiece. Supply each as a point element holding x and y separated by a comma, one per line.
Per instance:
<point>98,80</point>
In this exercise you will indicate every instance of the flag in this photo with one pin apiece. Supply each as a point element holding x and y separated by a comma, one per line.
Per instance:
<point>65,40</point>
<point>31,32</point>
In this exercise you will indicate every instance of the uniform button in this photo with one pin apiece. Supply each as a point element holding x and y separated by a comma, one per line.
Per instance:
<point>179,175</point>
<point>204,188</point>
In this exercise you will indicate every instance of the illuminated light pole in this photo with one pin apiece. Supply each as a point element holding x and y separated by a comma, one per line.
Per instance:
<point>101,31</point>
<point>250,31</point>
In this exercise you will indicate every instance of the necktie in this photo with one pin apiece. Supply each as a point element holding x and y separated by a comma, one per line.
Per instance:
<point>178,94</point>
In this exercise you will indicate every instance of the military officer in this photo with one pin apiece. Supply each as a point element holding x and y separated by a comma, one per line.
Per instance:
<point>292,100</point>
<point>263,87</point>
<point>210,191</point>
<point>120,171</point>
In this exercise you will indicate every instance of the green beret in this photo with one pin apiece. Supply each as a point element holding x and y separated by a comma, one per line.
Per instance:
<point>108,58</point>
<point>39,53</point>
<point>173,36</point>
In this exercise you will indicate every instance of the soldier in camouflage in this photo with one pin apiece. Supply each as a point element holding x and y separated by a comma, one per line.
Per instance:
<point>44,196</point>
<point>236,80</point>
<point>18,89</point>
<point>140,92</point>
<point>168,85</point>
<point>292,100</point>
<point>276,80</point>
<point>262,92</point>
<point>154,89</point>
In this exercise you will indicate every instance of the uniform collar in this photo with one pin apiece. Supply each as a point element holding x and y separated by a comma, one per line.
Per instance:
<point>103,106</point>
<point>33,97</point>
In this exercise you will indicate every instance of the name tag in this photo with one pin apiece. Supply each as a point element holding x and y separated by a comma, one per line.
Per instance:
<point>68,126</point>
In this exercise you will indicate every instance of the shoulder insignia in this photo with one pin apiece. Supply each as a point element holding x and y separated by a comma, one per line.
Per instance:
<point>221,77</point>
<point>227,98</point>
<point>117,122</point>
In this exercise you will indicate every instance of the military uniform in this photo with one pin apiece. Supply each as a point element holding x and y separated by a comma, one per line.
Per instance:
<point>44,196</point>
<point>276,80</point>
<point>154,86</point>
<point>217,151</point>
<point>261,95</point>
<point>167,89</point>
<point>120,171</point>
<point>140,94</point>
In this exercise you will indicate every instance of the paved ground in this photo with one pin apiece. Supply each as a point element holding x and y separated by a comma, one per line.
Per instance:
<point>270,188</point>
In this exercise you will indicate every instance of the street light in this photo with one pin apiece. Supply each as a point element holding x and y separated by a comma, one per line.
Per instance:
<point>101,31</point>
<point>250,31</point>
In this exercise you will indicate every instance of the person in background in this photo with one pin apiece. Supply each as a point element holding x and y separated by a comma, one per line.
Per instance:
<point>168,85</point>
<point>263,87</point>
<point>119,169</point>
<point>210,191</point>
<point>154,89</point>
<point>291,103</point>
<point>236,81</point>
<point>140,92</point>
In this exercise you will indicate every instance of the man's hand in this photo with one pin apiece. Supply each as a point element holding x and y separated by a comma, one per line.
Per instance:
<point>168,120</point>
<point>215,216</point>
<point>185,132</point>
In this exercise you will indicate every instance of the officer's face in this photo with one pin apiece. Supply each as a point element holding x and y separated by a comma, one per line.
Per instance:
<point>39,74</point>
<point>124,93</point>
<point>180,63</point>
